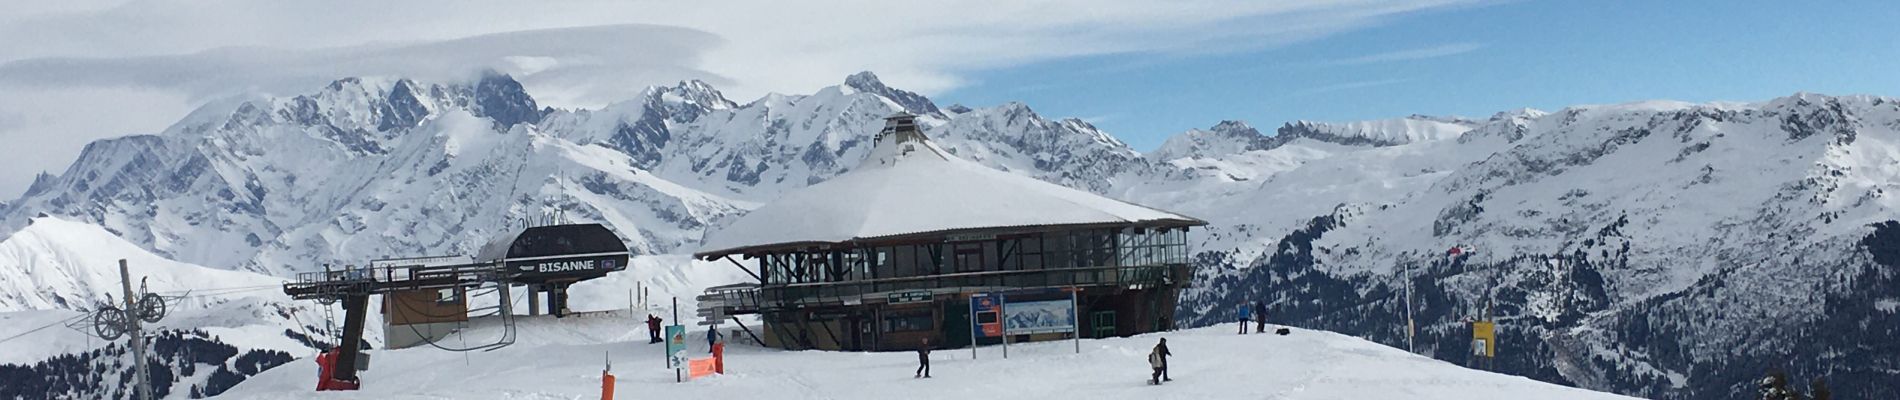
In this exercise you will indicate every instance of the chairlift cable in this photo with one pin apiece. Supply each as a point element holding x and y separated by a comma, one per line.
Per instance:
<point>44,327</point>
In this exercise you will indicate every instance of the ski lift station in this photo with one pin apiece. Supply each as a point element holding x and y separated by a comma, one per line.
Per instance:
<point>427,298</point>
<point>915,243</point>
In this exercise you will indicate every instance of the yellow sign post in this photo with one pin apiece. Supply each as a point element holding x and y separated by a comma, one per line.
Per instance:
<point>1484,339</point>
<point>1484,344</point>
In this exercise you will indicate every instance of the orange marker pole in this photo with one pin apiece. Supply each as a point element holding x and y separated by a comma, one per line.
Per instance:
<point>606,386</point>
<point>607,380</point>
<point>719,358</point>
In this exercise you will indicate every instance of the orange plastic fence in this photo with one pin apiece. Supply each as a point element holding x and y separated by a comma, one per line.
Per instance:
<point>700,367</point>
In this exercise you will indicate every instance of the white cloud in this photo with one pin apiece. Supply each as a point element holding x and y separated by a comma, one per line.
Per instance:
<point>580,53</point>
<point>1347,86</point>
<point>1411,54</point>
<point>641,55</point>
<point>43,130</point>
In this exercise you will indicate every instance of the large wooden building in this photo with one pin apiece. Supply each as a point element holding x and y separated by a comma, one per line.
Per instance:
<point>896,250</point>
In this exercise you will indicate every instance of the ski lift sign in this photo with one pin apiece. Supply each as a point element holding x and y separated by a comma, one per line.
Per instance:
<point>986,310</point>
<point>675,346</point>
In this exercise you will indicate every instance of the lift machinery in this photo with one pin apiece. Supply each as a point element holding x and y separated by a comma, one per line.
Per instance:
<point>546,259</point>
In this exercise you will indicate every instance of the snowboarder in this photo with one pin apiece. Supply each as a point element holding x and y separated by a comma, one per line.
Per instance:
<point>1260,317</point>
<point>923,359</point>
<point>1246,315</point>
<point>653,329</point>
<point>1158,359</point>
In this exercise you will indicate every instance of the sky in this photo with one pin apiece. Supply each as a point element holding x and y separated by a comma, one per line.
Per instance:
<point>1475,61</point>
<point>77,71</point>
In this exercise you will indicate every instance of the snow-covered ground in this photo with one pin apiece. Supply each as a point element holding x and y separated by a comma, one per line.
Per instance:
<point>562,359</point>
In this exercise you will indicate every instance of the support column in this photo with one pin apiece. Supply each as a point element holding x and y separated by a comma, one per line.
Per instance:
<point>534,301</point>
<point>507,303</point>
<point>132,311</point>
<point>355,308</point>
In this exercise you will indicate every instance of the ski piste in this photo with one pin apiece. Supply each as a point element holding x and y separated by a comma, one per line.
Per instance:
<point>1209,362</point>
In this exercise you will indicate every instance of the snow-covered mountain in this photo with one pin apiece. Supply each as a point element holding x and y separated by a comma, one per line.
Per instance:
<point>1230,138</point>
<point>365,168</point>
<point>58,264</point>
<point>362,168</point>
<point>221,326</point>
<point>1657,249</point>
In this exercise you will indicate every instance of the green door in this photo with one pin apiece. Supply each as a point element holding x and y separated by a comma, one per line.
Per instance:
<point>956,324</point>
<point>1102,324</point>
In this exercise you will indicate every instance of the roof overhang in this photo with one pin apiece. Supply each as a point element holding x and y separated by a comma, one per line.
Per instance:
<point>940,236</point>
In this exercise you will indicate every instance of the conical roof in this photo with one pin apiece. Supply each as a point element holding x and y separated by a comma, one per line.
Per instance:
<point>907,186</point>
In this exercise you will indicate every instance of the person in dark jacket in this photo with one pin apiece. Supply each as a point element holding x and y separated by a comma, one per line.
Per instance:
<point>653,329</point>
<point>1158,359</point>
<point>1260,317</point>
<point>923,359</point>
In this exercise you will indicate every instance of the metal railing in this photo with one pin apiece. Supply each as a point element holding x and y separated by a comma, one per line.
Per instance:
<point>837,293</point>
<point>364,280</point>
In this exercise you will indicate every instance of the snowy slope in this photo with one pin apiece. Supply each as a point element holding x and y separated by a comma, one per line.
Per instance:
<point>1209,363</point>
<point>216,319</point>
<point>59,264</point>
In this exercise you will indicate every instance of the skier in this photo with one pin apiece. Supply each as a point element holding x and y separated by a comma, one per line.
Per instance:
<point>1158,359</point>
<point>923,359</point>
<point>1259,317</point>
<point>653,329</point>
<point>1246,314</point>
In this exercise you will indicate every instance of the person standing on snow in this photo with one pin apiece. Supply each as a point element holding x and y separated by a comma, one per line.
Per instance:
<point>1259,317</point>
<point>923,359</point>
<point>1158,359</point>
<point>1246,315</point>
<point>653,329</point>
<point>712,338</point>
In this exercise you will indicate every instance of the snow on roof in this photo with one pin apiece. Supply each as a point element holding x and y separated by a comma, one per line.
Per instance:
<point>908,185</point>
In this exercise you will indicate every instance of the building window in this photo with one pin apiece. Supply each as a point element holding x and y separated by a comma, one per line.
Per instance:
<point>1030,254</point>
<point>969,258</point>
<point>909,323</point>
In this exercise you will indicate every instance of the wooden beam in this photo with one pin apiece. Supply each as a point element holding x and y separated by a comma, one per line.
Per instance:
<point>743,268</point>
<point>748,330</point>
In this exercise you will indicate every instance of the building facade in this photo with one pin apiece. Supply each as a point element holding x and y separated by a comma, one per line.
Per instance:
<point>917,244</point>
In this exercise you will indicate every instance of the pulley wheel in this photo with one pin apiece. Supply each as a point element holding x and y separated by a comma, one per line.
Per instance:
<point>110,323</point>
<point>151,308</point>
